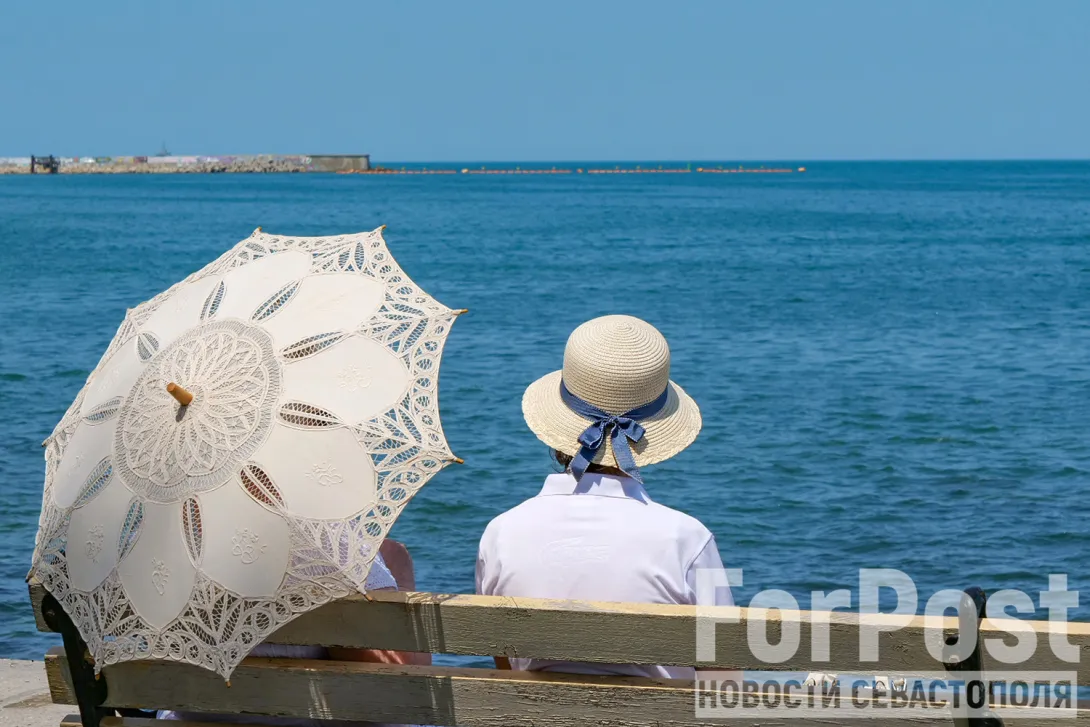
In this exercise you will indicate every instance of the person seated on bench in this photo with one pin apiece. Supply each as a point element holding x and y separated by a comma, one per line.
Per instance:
<point>593,533</point>
<point>392,570</point>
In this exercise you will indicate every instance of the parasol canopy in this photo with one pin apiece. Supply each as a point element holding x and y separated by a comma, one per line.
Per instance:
<point>242,448</point>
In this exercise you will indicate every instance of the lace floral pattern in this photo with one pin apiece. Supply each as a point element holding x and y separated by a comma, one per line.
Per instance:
<point>314,368</point>
<point>232,371</point>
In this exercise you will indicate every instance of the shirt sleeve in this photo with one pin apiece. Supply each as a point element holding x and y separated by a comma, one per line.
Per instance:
<point>481,574</point>
<point>708,558</point>
<point>379,577</point>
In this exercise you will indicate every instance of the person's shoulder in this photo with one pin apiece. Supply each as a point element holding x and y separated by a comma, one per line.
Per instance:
<point>508,519</point>
<point>683,523</point>
<point>689,537</point>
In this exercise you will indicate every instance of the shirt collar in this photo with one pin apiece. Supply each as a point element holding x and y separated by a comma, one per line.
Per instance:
<point>595,484</point>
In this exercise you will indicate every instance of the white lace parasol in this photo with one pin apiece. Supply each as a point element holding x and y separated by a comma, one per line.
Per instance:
<point>242,448</point>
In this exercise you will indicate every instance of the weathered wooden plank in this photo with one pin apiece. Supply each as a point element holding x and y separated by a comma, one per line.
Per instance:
<point>630,633</point>
<point>638,633</point>
<point>58,677</point>
<point>37,593</point>
<point>442,696</point>
<point>419,695</point>
<point>390,693</point>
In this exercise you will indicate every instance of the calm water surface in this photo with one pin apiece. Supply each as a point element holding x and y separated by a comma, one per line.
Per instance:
<point>893,360</point>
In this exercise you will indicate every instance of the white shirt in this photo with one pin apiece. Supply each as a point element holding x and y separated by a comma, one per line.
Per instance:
<point>601,539</point>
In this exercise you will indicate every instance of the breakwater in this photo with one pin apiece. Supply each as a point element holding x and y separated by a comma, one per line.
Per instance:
<point>251,164</point>
<point>581,170</point>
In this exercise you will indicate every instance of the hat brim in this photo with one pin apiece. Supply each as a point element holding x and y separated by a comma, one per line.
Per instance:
<point>666,433</point>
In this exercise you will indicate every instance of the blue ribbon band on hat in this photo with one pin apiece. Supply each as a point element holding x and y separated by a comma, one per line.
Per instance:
<point>620,428</point>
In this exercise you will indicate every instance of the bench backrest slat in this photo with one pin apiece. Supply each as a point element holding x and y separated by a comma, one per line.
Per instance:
<point>422,695</point>
<point>629,633</point>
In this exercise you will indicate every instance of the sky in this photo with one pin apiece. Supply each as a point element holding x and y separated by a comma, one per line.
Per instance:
<point>548,81</point>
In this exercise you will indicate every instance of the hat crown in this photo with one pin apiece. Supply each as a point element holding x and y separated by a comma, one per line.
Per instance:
<point>616,363</point>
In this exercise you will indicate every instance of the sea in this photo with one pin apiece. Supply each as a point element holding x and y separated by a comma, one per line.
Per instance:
<point>892,359</point>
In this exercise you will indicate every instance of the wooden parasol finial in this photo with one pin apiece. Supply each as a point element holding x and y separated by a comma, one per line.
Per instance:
<point>184,397</point>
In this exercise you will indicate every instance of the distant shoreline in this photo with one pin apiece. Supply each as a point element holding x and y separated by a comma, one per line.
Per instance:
<point>160,169</point>
<point>260,164</point>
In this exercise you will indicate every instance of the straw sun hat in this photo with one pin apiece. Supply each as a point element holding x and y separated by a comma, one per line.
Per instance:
<point>616,364</point>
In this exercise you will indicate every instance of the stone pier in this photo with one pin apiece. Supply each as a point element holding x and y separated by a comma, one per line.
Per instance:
<point>24,696</point>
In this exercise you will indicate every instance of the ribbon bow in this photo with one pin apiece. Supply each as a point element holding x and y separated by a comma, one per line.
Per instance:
<point>621,429</point>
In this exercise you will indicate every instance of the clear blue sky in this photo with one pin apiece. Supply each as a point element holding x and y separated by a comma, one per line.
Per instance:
<point>557,80</point>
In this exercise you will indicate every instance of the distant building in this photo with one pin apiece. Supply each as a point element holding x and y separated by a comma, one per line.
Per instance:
<point>340,162</point>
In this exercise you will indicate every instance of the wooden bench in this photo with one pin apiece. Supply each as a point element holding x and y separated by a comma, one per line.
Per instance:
<point>484,697</point>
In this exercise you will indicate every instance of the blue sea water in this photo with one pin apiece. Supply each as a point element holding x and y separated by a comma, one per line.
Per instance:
<point>892,359</point>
